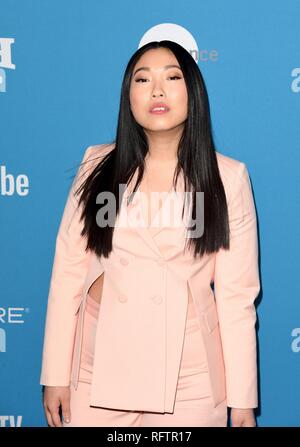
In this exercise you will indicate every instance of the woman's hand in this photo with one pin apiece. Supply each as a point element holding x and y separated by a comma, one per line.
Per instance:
<point>242,417</point>
<point>54,396</point>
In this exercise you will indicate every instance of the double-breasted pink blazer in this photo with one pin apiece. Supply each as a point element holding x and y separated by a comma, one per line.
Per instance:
<point>141,322</point>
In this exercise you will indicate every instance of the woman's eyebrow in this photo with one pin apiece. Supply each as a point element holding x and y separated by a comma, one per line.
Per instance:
<point>165,68</point>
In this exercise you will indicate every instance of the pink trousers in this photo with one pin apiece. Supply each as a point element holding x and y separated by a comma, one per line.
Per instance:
<point>193,402</point>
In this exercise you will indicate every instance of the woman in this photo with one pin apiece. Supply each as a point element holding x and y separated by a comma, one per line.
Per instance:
<point>135,335</point>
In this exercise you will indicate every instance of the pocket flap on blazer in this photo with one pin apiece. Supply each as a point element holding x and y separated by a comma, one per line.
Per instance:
<point>211,317</point>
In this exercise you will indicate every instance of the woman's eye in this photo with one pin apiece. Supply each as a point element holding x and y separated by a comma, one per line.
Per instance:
<point>144,79</point>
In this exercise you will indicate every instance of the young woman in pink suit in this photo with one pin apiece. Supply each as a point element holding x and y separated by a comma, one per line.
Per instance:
<point>151,315</point>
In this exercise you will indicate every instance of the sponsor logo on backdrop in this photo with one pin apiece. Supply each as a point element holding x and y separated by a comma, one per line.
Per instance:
<point>296,341</point>
<point>9,315</point>
<point>10,184</point>
<point>179,34</point>
<point>295,86</point>
<point>5,61</point>
<point>10,421</point>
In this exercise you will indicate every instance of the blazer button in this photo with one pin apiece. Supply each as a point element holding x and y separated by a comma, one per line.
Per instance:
<point>123,261</point>
<point>122,298</point>
<point>161,262</point>
<point>157,299</point>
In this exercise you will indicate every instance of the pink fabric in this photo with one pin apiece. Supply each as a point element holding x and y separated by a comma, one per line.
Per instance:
<point>193,405</point>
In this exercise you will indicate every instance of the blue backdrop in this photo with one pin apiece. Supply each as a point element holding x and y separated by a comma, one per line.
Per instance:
<point>61,67</point>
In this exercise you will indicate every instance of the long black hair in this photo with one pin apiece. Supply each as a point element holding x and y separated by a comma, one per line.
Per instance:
<point>196,157</point>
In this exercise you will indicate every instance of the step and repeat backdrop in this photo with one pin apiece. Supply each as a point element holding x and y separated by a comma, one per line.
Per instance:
<point>61,67</point>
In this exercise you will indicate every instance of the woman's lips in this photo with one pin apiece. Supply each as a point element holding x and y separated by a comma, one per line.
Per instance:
<point>159,112</point>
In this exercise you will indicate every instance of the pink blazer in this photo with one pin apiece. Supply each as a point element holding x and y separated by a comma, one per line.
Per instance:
<point>141,322</point>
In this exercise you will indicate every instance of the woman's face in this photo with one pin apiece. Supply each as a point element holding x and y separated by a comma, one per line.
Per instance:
<point>158,84</point>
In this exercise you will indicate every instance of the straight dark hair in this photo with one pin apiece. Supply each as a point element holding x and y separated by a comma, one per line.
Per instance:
<point>196,157</point>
